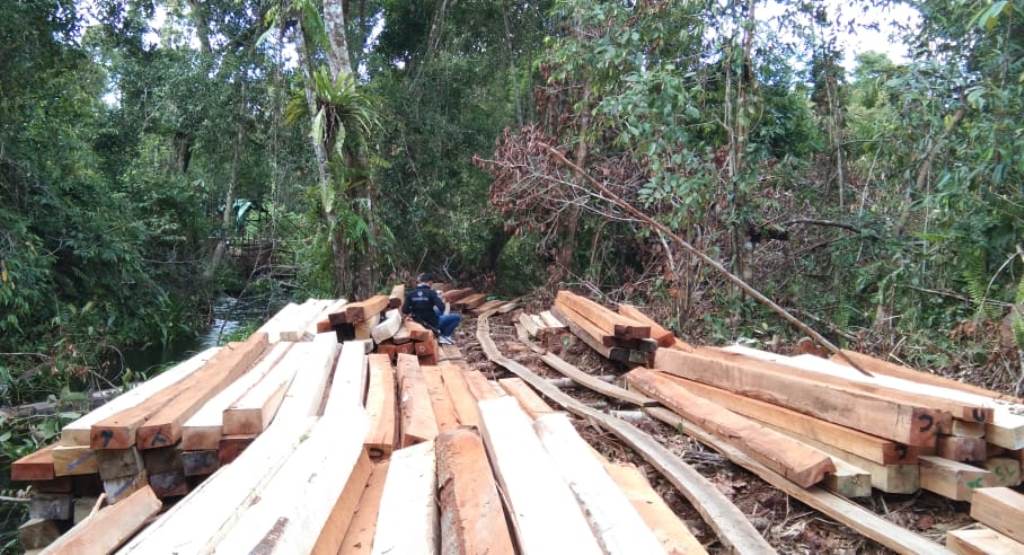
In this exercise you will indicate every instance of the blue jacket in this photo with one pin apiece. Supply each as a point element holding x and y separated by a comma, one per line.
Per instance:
<point>424,304</point>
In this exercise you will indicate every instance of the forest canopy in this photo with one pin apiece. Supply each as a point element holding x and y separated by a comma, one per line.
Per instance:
<point>145,145</point>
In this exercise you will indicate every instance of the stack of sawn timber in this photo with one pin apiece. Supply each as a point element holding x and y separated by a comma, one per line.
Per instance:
<point>615,336</point>
<point>364,456</point>
<point>165,435</point>
<point>545,328</point>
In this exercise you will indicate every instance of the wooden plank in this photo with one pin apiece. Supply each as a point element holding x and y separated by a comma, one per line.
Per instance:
<point>479,385</point>
<point>662,336</point>
<point>670,530</point>
<point>77,432</point>
<point>397,297</point>
<point>37,533</point>
<point>321,323</point>
<point>898,421</point>
<point>407,519</point>
<point>453,295</point>
<point>37,465</point>
<point>530,402</point>
<point>364,310</point>
<point>1005,472</point>
<point>882,367</point>
<point>291,512</point>
<point>472,519</point>
<point>74,460</point>
<point>595,342</point>
<point>232,446</point>
<point>61,484</point>
<point>961,449</point>
<point>600,386</point>
<point>333,533</point>
<point>728,522</point>
<point>214,505</point>
<point>205,428</point>
<point>118,463</point>
<point>200,463</point>
<point>460,394</point>
<point>968,429</point>
<point>469,302</point>
<point>305,317</point>
<point>388,327</point>
<point>286,319</point>
<point>109,528</point>
<point>950,479</point>
<point>1001,509</point>
<point>304,398</point>
<point>358,538</point>
<point>792,459</point>
<point>604,318</point>
<point>869,447</point>
<point>348,387</point>
<point>251,412</point>
<point>50,506</point>
<point>542,508</point>
<point>444,410</point>
<point>417,332</point>
<point>381,407</point>
<point>577,323</point>
<point>119,489</point>
<point>613,520</point>
<point>157,421</point>
<point>890,478</point>
<point>489,305</point>
<point>169,484</point>
<point>418,422</point>
<point>528,324</point>
<point>982,541</point>
<point>846,512</point>
<point>364,329</point>
<point>848,480</point>
<point>552,322</point>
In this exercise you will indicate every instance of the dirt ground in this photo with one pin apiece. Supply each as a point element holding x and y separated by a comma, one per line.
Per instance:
<point>790,526</point>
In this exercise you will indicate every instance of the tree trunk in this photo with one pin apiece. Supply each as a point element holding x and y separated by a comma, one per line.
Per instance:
<point>337,55</point>
<point>202,25</point>
<point>227,223</point>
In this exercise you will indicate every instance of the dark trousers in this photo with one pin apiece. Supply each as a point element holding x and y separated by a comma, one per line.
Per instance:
<point>447,323</point>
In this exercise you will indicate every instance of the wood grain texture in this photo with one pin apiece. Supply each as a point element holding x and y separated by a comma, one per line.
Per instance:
<point>670,530</point>
<point>982,541</point>
<point>381,407</point>
<point>407,519</point>
<point>359,536</point>
<point>1001,509</point>
<point>528,399</point>
<point>418,422</point>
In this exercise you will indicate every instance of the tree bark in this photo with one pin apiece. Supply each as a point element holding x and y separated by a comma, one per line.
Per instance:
<point>337,55</point>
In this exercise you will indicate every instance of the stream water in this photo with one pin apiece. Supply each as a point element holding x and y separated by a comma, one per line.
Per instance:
<point>229,314</point>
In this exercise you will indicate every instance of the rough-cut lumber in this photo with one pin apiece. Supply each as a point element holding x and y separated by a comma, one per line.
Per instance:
<point>305,317</point>
<point>962,449</point>
<point>662,336</point>
<point>968,429</point>
<point>1001,509</point>
<point>895,420</point>
<point>593,383</point>
<point>417,332</point>
<point>479,385</point>
<point>200,463</point>
<point>951,479</point>
<point>418,422</point>
<point>615,523</point>
<point>848,480</point>
<point>728,522</point>
<point>469,302</point>
<point>492,304</point>
<point>333,533</point>
<point>364,329</point>
<point>790,458</point>
<point>890,478</point>
<point>205,428</point>
<point>289,318</point>
<point>982,541</point>
<point>407,519</point>
<point>453,295</point>
<point>157,421</point>
<point>359,536</point>
<point>542,508</point>
<point>304,398</point>
<point>50,506</point>
<point>37,533</point>
<point>551,322</point>
<point>577,325</point>
<point>232,446</point>
<point>397,297</point>
<point>380,407</point>
<point>77,432</point>
<point>670,530</point>
<point>119,489</point>
<point>359,311</point>
<point>472,519</point>
<point>1005,472</point>
<point>295,507</point>
<point>118,463</point>
<point>459,392</point>
<point>608,321</point>
<point>862,520</point>
<point>74,460</point>
<point>534,406</point>
<point>348,388</point>
<point>252,411</point>
<point>869,447</point>
<point>388,327</point>
<point>37,465</point>
<point>444,410</point>
<point>878,366</point>
<point>109,528</point>
<point>321,323</point>
<point>529,324</point>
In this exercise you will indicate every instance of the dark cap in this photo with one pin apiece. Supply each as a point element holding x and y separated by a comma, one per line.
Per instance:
<point>424,278</point>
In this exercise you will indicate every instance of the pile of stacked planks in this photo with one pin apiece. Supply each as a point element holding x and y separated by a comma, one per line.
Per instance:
<point>848,424</point>
<point>545,328</point>
<point>349,453</point>
<point>614,335</point>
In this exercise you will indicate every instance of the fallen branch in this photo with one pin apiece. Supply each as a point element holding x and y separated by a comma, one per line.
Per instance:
<point>636,213</point>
